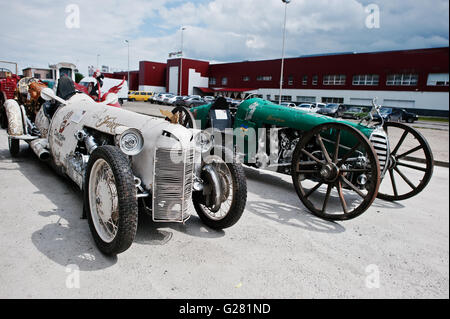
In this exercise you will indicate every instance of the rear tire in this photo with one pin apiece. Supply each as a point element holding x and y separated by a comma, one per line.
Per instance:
<point>109,179</point>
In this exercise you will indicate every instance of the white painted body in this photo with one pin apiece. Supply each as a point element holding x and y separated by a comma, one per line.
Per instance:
<point>82,112</point>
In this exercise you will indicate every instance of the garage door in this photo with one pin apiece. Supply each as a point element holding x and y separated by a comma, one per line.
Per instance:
<point>400,103</point>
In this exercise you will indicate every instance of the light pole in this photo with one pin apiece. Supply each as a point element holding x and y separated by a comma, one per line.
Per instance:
<point>128,78</point>
<point>181,63</point>
<point>282,54</point>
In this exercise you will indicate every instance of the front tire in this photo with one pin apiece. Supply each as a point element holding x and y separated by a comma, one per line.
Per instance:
<point>14,146</point>
<point>233,179</point>
<point>110,200</point>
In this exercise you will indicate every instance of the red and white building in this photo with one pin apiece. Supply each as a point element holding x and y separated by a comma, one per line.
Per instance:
<point>417,80</point>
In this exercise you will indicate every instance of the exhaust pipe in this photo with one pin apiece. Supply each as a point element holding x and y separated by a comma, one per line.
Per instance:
<point>40,148</point>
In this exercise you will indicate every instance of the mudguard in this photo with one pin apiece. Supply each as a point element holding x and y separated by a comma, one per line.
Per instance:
<point>15,118</point>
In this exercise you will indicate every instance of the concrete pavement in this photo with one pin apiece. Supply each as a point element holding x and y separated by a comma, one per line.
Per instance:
<point>277,249</point>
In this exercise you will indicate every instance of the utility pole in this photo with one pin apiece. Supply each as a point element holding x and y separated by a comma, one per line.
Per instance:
<point>181,63</point>
<point>282,54</point>
<point>128,78</point>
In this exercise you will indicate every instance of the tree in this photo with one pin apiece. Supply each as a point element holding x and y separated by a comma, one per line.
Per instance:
<point>78,77</point>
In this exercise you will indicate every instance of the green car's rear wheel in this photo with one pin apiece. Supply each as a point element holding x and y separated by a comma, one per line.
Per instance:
<point>335,171</point>
<point>410,165</point>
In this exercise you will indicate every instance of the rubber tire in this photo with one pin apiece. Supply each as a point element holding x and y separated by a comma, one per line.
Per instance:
<point>14,146</point>
<point>239,196</point>
<point>409,120</point>
<point>3,118</point>
<point>127,201</point>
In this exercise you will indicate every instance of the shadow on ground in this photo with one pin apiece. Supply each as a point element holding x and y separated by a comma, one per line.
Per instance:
<point>68,239</point>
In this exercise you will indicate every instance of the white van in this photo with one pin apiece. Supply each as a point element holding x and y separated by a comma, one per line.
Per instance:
<point>107,84</point>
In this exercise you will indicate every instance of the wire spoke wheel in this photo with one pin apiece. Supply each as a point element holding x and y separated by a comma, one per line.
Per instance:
<point>184,117</point>
<point>103,200</point>
<point>410,165</point>
<point>335,171</point>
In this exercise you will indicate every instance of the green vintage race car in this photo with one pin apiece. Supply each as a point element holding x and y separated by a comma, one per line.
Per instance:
<point>337,166</point>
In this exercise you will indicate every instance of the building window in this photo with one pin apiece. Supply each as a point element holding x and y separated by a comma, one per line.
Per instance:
<point>367,79</point>
<point>284,98</point>
<point>212,81</point>
<point>334,79</point>
<point>315,80</point>
<point>37,75</point>
<point>337,100</point>
<point>406,79</point>
<point>246,78</point>
<point>224,81</point>
<point>264,78</point>
<point>438,79</point>
<point>305,80</point>
<point>268,96</point>
<point>290,80</point>
<point>306,99</point>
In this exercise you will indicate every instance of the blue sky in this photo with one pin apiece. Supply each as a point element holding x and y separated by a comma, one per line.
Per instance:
<point>216,30</point>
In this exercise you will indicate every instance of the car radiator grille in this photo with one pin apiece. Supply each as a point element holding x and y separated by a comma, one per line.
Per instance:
<point>380,143</point>
<point>172,186</point>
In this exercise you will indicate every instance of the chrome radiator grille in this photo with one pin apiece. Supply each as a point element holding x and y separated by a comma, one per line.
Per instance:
<point>172,184</point>
<point>380,143</point>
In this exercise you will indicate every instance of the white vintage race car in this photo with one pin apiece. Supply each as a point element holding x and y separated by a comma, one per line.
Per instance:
<point>124,161</point>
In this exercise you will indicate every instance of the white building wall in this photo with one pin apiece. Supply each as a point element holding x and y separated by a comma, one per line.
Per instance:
<point>196,80</point>
<point>150,88</point>
<point>173,79</point>
<point>408,99</point>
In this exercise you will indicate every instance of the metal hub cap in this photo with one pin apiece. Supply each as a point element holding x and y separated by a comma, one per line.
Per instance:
<point>329,172</point>
<point>103,200</point>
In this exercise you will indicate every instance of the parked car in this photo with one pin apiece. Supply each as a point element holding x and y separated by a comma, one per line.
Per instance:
<point>396,115</point>
<point>180,102</point>
<point>140,96</point>
<point>193,101</point>
<point>209,99</point>
<point>166,98</point>
<point>310,107</point>
<point>355,113</point>
<point>288,104</point>
<point>332,109</point>
<point>173,99</point>
<point>160,98</point>
<point>125,162</point>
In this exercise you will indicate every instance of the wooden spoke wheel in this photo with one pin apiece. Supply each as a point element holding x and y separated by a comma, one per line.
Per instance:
<point>335,171</point>
<point>410,164</point>
<point>184,117</point>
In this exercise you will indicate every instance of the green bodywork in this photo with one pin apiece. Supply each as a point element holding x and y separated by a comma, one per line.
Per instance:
<point>258,113</point>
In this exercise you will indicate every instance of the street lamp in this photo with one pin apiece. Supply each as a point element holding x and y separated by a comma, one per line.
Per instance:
<point>282,54</point>
<point>128,78</point>
<point>181,63</point>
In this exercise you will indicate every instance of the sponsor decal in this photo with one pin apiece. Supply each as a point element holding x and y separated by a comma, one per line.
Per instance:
<point>65,122</point>
<point>275,119</point>
<point>109,122</point>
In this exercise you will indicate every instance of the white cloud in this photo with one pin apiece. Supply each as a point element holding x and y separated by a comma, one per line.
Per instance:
<point>216,30</point>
